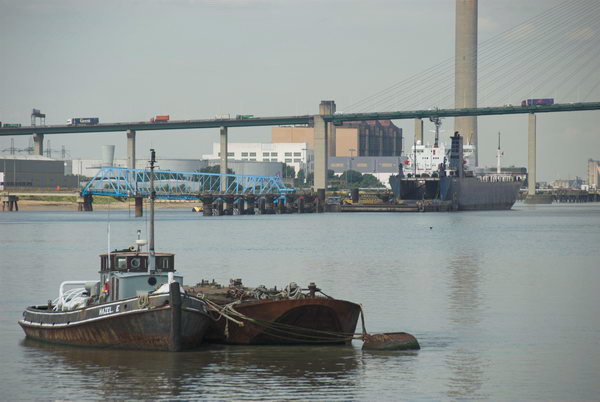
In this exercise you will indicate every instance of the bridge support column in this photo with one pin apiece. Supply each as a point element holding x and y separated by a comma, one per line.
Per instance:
<point>38,144</point>
<point>280,205</point>
<point>85,203</point>
<point>328,107</point>
<point>320,200</point>
<point>419,130</point>
<point>10,203</point>
<point>239,206</point>
<point>207,205</point>
<point>228,204</point>
<point>532,197</point>
<point>300,203</point>
<point>223,159</point>
<point>531,173</point>
<point>131,149</point>
<point>320,176</point>
<point>260,208</point>
<point>139,206</point>
<point>217,208</point>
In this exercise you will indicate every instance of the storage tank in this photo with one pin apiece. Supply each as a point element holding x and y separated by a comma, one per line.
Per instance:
<point>254,168</point>
<point>108,155</point>
<point>176,165</point>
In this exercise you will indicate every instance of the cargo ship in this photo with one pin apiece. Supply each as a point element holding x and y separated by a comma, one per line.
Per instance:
<point>448,176</point>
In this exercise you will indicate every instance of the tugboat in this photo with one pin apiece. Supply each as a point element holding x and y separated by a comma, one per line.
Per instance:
<point>138,303</point>
<point>292,315</point>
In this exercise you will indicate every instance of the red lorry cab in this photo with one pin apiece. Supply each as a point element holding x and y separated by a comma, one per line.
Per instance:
<point>160,118</point>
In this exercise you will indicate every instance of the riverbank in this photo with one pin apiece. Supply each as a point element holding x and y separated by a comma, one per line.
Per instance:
<point>101,205</point>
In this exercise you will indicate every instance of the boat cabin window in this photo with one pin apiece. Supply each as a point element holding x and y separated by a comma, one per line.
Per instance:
<point>137,263</point>
<point>164,263</point>
<point>121,263</point>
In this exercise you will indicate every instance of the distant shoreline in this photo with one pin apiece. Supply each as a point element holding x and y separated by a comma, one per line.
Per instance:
<point>65,206</point>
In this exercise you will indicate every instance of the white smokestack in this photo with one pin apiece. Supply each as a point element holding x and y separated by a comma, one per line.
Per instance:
<point>108,155</point>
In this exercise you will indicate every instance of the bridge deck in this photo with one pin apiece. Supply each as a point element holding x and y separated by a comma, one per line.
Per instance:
<point>291,120</point>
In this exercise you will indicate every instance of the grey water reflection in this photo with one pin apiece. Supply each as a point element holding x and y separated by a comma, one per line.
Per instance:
<point>465,305</point>
<point>253,372</point>
<point>464,299</point>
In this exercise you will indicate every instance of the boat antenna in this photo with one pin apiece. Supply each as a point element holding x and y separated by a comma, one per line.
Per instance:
<point>108,246</point>
<point>108,238</point>
<point>415,154</point>
<point>152,264</point>
<point>498,155</point>
<point>437,121</point>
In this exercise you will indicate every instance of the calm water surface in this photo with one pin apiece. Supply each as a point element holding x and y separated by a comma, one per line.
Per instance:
<point>506,304</point>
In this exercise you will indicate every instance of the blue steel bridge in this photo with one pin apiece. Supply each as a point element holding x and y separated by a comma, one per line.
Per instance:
<point>122,182</point>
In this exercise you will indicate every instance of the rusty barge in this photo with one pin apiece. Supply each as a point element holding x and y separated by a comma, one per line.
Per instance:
<point>261,316</point>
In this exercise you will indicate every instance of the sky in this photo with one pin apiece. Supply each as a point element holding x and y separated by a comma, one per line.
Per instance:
<point>128,60</point>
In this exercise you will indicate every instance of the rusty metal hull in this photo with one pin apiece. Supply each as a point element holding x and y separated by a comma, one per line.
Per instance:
<point>299,321</point>
<point>390,341</point>
<point>124,324</point>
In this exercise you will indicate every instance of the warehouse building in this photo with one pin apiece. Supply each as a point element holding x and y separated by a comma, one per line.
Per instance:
<point>382,167</point>
<point>34,172</point>
<point>360,138</point>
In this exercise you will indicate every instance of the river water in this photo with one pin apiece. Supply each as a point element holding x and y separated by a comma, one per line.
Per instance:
<point>505,304</point>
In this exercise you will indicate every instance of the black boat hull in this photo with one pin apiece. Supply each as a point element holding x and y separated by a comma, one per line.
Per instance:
<point>463,194</point>
<point>471,194</point>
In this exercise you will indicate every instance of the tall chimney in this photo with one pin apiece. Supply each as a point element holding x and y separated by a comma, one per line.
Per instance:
<point>108,155</point>
<point>465,86</point>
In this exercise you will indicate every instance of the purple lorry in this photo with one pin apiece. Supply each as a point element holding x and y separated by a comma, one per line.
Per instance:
<point>539,101</point>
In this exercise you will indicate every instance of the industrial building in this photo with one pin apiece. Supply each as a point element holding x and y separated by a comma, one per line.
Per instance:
<point>296,154</point>
<point>34,172</point>
<point>568,184</point>
<point>593,170</point>
<point>382,167</point>
<point>360,138</point>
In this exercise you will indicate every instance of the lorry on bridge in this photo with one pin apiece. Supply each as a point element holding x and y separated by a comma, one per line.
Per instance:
<point>13,125</point>
<point>538,101</point>
<point>244,116</point>
<point>160,119</point>
<point>89,121</point>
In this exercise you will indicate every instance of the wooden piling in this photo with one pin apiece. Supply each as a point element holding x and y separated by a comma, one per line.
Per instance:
<point>139,206</point>
<point>10,203</point>
<point>175,330</point>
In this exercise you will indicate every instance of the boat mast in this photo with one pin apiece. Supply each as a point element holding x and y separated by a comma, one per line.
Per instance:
<point>437,121</point>
<point>152,262</point>
<point>498,155</point>
<point>415,155</point>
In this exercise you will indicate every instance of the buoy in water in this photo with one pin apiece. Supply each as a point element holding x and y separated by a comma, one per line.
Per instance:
<point>390,341</point>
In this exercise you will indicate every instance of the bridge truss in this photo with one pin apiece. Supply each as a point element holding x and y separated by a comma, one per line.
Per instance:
<point>122,182</point>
